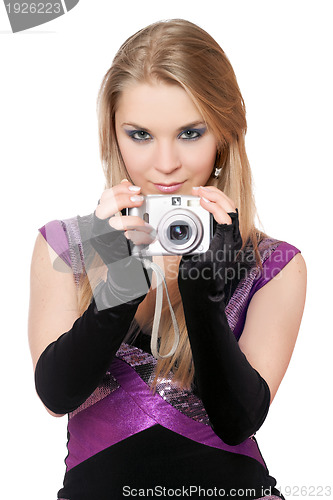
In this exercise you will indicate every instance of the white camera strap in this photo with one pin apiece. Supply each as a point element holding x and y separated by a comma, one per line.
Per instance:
<point>160,281</point>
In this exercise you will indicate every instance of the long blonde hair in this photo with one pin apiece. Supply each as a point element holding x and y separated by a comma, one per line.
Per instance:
<point>179,52</point>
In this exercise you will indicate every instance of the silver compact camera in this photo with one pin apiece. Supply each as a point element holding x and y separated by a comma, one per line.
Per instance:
<point>182,226</point>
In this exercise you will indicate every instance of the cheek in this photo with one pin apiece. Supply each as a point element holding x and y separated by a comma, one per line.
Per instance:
<point>202,158</point>
<point>134,159</point>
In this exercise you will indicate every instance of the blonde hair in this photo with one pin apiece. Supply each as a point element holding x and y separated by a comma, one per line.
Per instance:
<point>181,53</point>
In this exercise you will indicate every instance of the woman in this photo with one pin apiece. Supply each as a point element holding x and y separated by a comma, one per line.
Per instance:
<point>182,422</point>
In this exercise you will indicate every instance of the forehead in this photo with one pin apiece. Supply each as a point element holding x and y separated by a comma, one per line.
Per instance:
<point>151,104</point>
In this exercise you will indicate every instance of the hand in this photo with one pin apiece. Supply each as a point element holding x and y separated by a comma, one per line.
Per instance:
<point>113,238</point>
<point>234,394</point>
<point>216,202</point>
<point>114,200</point>
<point>204,275</point>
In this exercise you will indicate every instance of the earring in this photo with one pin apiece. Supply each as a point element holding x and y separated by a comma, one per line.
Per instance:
<point>217,172</point>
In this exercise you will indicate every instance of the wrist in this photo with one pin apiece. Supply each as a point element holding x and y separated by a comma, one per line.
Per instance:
<point>109,295</point>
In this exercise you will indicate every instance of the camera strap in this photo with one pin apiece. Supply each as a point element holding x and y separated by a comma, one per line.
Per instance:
<point>160,281</point>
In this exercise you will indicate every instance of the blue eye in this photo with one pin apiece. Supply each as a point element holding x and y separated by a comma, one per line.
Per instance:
<point>138,135</point>
<point>192,134</point>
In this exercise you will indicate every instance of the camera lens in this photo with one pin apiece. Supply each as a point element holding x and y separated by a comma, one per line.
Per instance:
<point>179,232</point>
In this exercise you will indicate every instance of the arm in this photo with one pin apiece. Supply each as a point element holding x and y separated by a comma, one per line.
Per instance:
<point>272,322</point>
<point>237,382</point>
<point>53,304</point>
<point>236,392</point>
<point>69,366</point>
<point>72,364</point>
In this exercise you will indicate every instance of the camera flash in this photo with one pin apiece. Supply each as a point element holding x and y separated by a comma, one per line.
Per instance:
<point>193,203</point>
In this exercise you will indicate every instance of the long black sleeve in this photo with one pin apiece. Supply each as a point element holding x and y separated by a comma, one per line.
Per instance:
<point>71,367</point>
<point>234,394</point>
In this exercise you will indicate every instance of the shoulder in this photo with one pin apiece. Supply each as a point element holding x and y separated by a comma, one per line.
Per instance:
<point>273,320</point>
<point>54,233</point>
<point>279,290</point>
<point>275,256</point>
<point>66,239</point>
<point>283,275</point>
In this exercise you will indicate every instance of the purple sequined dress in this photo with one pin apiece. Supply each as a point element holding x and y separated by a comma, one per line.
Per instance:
<point>125,440</point>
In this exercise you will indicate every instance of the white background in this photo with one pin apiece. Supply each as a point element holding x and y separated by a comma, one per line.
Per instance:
<point>50,169</point>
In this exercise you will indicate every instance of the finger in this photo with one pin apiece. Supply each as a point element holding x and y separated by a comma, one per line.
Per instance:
<point>125,187</point>
<point>139,237</point>
<point>213,194</point>
<point>113,200</point>
<point>219,213</point>
<point>216,190</point>
<point>198,191</point>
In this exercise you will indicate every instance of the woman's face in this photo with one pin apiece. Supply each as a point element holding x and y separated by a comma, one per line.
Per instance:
<point>163,139</point>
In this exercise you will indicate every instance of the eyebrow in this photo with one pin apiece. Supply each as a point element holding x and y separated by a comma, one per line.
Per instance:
<point>180,129</point>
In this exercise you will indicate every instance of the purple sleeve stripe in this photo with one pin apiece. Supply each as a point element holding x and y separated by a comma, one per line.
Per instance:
<point>278,259</point>
<point>54,234</point>
<point>274,264</point>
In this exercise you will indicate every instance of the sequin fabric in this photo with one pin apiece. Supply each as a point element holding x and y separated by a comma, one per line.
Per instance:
<point>105,388</point>
<point>144,363</point>
<point>184,401</point>
<point>270,497</point>
<point>71,229</point>
<point>236,303</point>
<point>239,298</point>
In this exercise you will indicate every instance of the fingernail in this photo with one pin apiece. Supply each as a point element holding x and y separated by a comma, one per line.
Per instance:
<point>195,187</point>
<point>205,188</point>
<point>136,198</point>
<point>134,188</point>
<point>205,199</point>
<point>123,180</point>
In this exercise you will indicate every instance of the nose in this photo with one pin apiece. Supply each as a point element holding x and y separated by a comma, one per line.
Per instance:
<point>167,158</point>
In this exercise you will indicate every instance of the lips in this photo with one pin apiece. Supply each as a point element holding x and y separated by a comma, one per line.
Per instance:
<point>168,188</point>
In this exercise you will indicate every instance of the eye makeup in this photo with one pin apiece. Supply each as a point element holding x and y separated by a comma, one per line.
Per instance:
<point>138,135</point>
<point>188,134</point>
<point>191,134</point>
